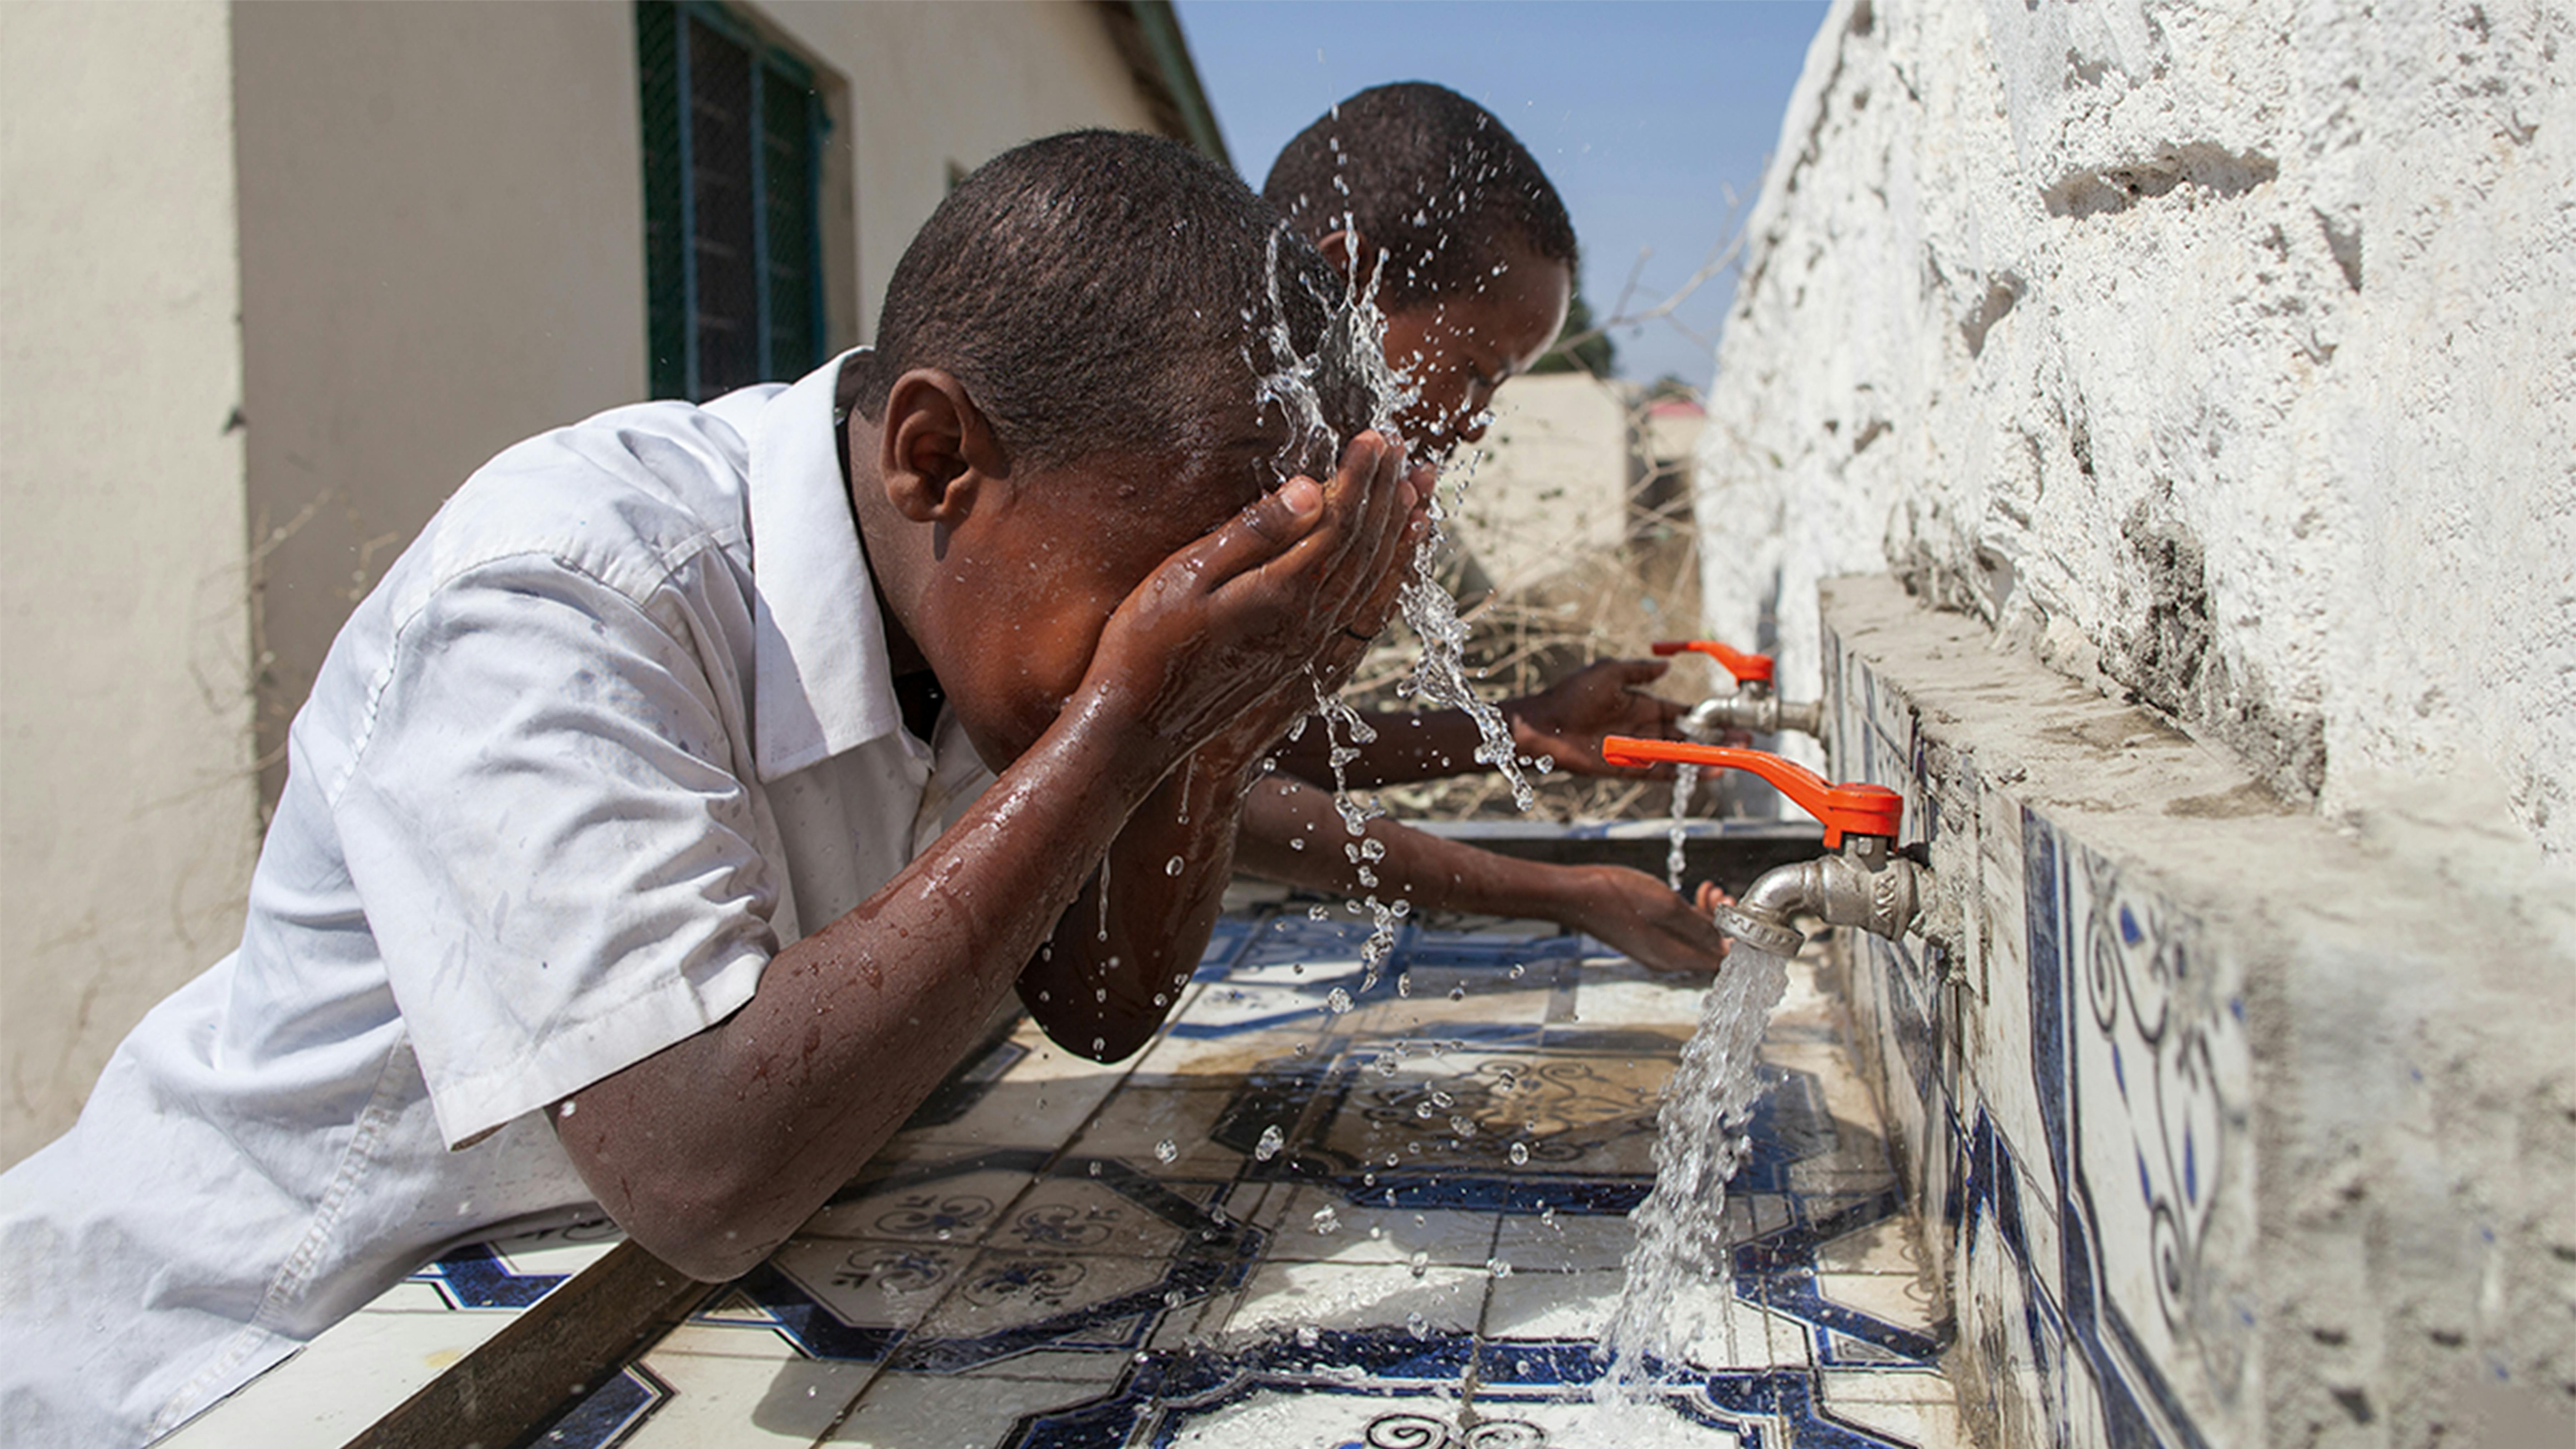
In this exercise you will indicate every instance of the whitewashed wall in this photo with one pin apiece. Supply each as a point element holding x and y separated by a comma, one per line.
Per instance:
<point>125,752</point>
<point>2228,349</point>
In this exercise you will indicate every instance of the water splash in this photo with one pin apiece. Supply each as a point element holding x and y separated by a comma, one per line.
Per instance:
<point>1685,780</point>
<point>1700,1142</point>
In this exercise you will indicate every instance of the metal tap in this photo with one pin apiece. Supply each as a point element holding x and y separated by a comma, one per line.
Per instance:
<point>1752,707</point>
<point>1866,882</point>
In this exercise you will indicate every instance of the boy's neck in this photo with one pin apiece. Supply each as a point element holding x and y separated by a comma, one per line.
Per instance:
<point>858,468</point>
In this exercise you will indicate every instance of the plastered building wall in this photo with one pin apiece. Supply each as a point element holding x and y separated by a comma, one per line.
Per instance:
<point>2218,351</point>
<point>932,86</point>
<point>125,778</point>
<point>441,253</point>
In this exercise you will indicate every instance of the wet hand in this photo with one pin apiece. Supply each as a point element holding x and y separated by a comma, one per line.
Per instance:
<point>1568,719</point>
<point>1258,610</point>
<point>1638,916</point>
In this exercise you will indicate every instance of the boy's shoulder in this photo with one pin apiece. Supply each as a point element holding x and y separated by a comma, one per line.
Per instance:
<point>628,497</point>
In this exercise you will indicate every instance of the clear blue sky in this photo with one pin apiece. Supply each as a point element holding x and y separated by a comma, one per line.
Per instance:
<point>1643,114</point>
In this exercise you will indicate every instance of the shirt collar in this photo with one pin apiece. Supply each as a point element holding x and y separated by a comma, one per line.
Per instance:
<point>821,683</point>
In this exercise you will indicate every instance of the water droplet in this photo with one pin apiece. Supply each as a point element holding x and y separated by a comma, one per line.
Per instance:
<point>1271,1142</point>
<point>1415,1324</point>
<point>1327,1221</point>
<point>1166,1150</point>
<point>1173,865</point>
<point>1339,1002</point>
<point>1457,993</point>
<point>1308,1335</point>
<point>1404,983</point>
<point>569,1105</point>
<point>1517,970</point>
<point>1498,1268</point>
<point>1520,1154</point>
<point>1421,1264</point>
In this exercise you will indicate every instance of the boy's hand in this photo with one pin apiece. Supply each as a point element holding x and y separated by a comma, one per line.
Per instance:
<point>1635,913</point>
<point>1285,592</point>
<point>1568,719</point>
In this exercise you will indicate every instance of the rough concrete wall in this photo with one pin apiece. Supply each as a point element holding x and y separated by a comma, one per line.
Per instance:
<point>126,804</point>
<point>441,253</point>
<point>2223,349</point>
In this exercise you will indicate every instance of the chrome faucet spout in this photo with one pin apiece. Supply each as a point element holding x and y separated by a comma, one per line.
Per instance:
<point>1752,708</point>
<point>1864,885</point>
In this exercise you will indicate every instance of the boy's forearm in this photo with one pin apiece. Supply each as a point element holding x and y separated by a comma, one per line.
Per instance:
<point>1431,745</point>
<point>1294,835</point>
<point>1108,975</point>
<point>712,1151</point>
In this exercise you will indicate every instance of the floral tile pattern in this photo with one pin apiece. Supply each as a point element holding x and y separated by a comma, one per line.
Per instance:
<point>1392,1217</point>
<point>2071,1104</point>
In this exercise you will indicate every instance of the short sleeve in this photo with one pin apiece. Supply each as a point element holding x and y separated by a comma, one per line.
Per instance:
<point>549,832</point>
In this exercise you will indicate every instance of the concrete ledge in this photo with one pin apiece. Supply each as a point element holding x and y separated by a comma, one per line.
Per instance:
<point>2232,1124</point>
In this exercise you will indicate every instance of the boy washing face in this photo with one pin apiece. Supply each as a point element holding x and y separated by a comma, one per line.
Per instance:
<point>673,815</point>
<point>1473,260</point>
<point>1421,194</point>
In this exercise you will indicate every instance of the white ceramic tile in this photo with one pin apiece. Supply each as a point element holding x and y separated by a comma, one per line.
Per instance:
<point>1354,1234</point>
<point>1885,1246</point>
<point>412,1295</point>
<point>874,1284</point>
<point>1569,1305</point>
<point>1350,1416</point>
<point>929,1411</point>
<point>343,1381</point>
<point>1917,1426</point>
<point>1908,1300</point>
<point>960,1207</point>
<point>1285,1296</point>
<point>1006,1289</point>
<point>1838,1387</point>
<point>1138,1125</point>
<point>1564,1242</point>
<point>1672,1006</point>
<point>558,1250</point>
<point>1084,1214</point>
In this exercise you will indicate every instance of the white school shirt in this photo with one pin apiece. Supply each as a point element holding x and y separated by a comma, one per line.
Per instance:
<point>614,729</point>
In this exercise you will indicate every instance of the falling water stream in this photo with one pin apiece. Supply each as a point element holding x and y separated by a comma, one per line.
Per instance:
<point>1440,677</point>
<point>1700,1142</point>
<point>1685,779</point>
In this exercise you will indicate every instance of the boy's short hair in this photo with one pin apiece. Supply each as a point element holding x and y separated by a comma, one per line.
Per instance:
<point>1104,291</point>
<point>1428,175</point>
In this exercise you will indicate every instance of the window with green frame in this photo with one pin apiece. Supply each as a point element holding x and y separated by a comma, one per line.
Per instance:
<point>733,133</point>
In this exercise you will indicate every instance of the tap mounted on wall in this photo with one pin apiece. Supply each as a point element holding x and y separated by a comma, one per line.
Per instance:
<point>1752,707</point>
<point>1865,881</point>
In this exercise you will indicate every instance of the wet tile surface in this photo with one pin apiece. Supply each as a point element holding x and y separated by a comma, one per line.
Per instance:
<point>1402,1223</point>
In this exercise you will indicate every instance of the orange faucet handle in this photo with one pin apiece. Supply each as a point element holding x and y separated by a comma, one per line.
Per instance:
<point>1747,668</point>
<point>1858,809</point>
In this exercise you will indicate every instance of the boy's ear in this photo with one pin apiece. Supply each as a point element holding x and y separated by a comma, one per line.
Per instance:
<point>1344,249</point>
<point>936,448</point>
